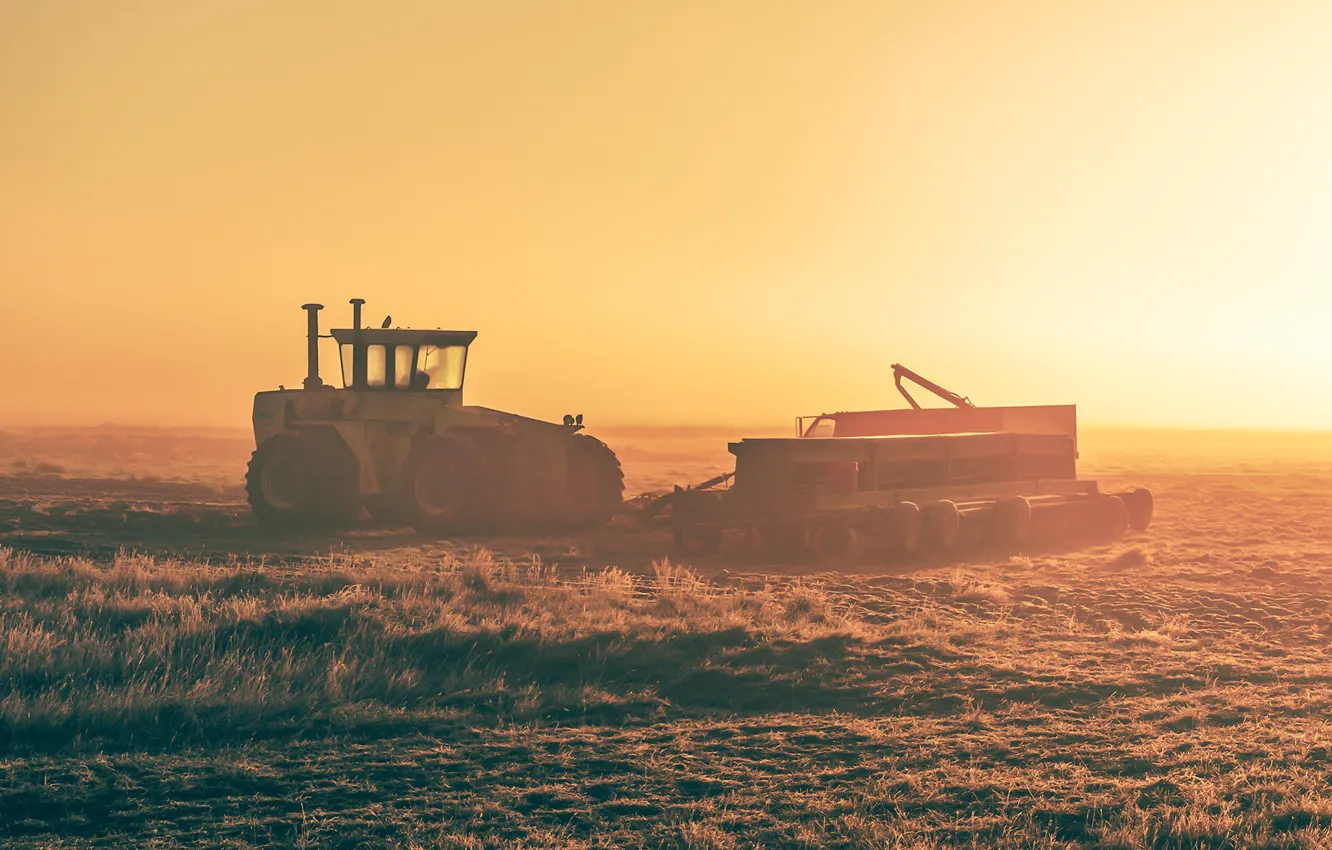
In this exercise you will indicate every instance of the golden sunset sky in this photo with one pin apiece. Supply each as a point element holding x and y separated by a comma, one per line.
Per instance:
<point>669,212</point>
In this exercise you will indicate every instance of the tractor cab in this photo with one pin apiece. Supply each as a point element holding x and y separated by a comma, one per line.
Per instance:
<point>403,360</point>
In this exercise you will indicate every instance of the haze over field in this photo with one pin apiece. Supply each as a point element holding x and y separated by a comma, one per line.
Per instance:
<point>682,213</point>
<point>373,618</point>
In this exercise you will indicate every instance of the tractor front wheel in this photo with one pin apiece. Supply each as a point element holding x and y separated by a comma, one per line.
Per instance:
<point>295,480</point>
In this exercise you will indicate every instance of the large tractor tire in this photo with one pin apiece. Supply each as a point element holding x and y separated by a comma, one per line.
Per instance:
<point>447,485</point>
<point>302,480</point>
<point>596,481</point>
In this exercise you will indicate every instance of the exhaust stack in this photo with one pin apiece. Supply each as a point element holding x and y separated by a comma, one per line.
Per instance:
<point>312,380</point>
<point>358,350</point>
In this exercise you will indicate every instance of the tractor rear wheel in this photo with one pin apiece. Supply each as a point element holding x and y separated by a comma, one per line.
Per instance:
<point>301,480</point>
<point>445,484</point>
<point>596,481</point>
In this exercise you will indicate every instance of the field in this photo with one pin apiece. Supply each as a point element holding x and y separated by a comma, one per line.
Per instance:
<point>171,674</point>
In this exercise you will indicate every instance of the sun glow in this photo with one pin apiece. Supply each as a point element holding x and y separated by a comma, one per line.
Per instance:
<point>683,214</point>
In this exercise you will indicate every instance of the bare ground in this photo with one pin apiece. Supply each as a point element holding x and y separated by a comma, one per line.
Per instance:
<point>173,675</point>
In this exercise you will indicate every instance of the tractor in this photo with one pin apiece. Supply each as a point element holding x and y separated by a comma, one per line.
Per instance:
<point>396,440</point>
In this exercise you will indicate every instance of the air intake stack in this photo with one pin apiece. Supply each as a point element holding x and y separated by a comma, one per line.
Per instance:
<point>312,379</point>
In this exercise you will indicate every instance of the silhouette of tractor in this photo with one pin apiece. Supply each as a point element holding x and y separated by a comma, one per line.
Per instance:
<point>396,439</point>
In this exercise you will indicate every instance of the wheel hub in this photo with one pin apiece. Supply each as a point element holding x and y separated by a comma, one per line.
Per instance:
<point>282,483</point>
<point>437,488</point>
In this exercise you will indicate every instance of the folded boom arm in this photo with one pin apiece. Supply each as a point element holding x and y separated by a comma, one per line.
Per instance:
<point>900,372</point>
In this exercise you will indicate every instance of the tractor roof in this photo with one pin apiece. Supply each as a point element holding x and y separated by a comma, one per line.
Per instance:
<point>403,336</point>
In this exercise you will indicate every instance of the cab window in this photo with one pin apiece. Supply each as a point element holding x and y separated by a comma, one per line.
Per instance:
<point>377,363</point>
<point>443,366</point>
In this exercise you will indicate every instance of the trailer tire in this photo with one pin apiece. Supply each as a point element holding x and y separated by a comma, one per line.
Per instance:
<point>892,531</point>
<point>837,540</point>
<point>1012,520</point>
<point>940,525</point>
<point>1140,506</point>
<point>697,539</point>
<point>1114,516</point>
<point>906,528</point>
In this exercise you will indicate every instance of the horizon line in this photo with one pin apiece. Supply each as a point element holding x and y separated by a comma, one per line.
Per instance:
<point>683,429</point>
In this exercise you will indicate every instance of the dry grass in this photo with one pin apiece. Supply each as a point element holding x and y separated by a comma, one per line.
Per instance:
<point>144,651</point>
<point>482,701</point>
<point>1172,692</point>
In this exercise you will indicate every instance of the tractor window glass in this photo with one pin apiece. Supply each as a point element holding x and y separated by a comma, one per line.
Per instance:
<point>375,361</point>
<point>402,366</point>
<point>347,365</point>
<point>443,366</point>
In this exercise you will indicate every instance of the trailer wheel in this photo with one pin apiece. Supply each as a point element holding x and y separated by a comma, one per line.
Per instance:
<point>905,529</point>
<point>1114,516</point>
<point>1012,520</point>
<point>837,540</point>
<point>1140,506</point>
<point>445,484</point>
<point>940,525</point>
<point>697,539</point>
<point>892,531</point>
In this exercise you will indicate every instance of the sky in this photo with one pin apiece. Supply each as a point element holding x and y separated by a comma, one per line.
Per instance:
<point>686,212</point>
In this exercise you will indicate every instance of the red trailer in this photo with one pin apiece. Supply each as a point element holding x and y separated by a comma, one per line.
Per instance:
<point>891,482</point>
